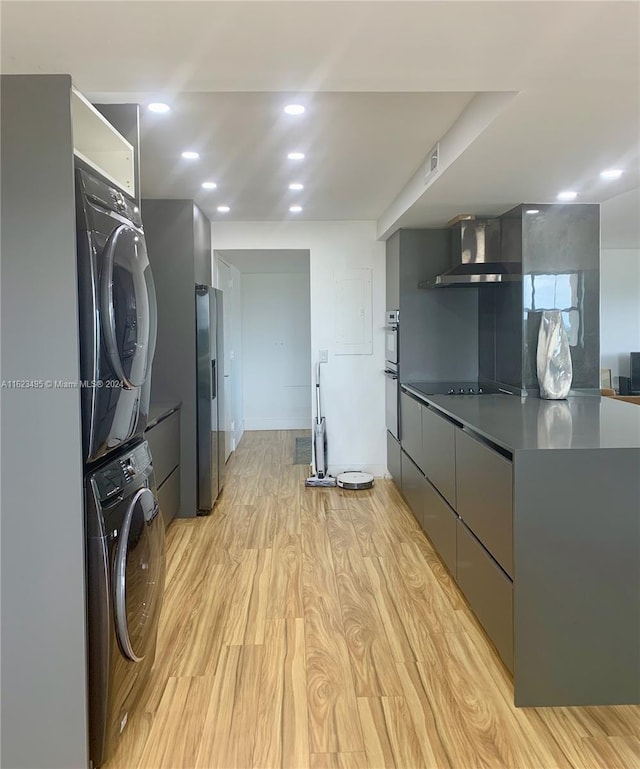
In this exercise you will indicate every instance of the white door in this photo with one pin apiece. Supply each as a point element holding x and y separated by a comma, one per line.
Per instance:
<point>225,282</point>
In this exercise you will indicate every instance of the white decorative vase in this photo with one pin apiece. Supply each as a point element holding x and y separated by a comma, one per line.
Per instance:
<point>554,367</point>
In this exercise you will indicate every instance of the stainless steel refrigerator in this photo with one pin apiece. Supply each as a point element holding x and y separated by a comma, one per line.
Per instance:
<point>209,384</point>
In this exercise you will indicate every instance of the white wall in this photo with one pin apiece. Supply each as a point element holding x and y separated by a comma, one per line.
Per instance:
<point>619,308</point>
<point>352,386</point>
<point>276,351</point>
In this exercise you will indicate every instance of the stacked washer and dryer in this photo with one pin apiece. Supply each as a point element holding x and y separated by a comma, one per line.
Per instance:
<point>125,554</point>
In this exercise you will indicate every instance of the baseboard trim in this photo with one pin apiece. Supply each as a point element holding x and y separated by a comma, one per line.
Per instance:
<point>378,471</point>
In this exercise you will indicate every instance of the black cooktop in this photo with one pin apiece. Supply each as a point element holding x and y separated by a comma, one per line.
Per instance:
<point>453,388</point>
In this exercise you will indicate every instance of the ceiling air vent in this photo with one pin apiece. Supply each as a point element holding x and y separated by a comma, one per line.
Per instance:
<point>433,163</point>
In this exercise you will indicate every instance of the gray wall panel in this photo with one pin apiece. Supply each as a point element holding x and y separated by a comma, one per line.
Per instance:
<point>43,609</point>
<point>438,327</point>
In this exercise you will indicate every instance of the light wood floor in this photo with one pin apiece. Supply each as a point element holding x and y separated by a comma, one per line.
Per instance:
<point>317,629</point>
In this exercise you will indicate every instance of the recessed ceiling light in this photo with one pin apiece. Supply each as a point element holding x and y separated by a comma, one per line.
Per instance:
<point>223,209</point>
<point>190,155</point>
<point>294,109</point>
<point>567,195</point>
<point>160,107</point>
<point>296,186</point>
<point>295,209</point>
<point>611,173</point>
<point>209,185</point>
<point>296,156</point>
<point>532,211</point>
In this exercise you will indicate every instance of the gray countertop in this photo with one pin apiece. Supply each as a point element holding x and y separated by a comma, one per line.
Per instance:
<point>524,423</point>
<point>161,410</point>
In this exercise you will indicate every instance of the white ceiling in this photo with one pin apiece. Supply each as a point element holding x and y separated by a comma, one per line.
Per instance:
<point>383,82</point>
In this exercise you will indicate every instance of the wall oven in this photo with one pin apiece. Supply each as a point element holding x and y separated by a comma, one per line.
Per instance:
<point>392,322</point>
<point>392,385</point>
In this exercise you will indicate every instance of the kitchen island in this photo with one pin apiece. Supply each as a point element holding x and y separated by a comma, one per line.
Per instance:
<point>534,506</point>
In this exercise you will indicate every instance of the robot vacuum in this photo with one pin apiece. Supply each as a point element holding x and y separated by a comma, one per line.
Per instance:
<point>355,480</point>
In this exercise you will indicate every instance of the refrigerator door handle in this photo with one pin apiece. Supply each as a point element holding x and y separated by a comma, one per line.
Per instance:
<point>214,381</point>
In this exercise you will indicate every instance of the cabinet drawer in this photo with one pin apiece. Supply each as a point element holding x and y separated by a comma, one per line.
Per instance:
<point>439,524</point>
<point>411,427</point>
<point>412,486</point>
<point>488,590</point>
<point>439,453</point>
<point>393,459</point>
<point>164,442</point>
<point>484,496</point>
<point>169,496</point>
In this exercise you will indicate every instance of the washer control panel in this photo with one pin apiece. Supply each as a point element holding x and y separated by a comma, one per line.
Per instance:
<point>113,479</point>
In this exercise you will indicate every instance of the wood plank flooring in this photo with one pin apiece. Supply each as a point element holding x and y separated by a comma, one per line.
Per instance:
<point>317,629</point>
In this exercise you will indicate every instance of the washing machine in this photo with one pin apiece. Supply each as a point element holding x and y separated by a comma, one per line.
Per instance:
<point>117,316</point>
<point>125,563</point>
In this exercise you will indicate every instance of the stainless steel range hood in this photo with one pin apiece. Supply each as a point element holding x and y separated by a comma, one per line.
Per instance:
<point>475,256</point>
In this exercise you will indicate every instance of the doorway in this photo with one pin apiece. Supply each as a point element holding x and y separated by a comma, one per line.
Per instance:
<point>267,331</point>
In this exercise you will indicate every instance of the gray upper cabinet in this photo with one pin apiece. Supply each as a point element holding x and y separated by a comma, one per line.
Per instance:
<point>485,496</point>
<point>439,453</point>
<point>393,272</point>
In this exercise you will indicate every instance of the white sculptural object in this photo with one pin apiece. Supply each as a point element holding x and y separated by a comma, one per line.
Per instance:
<point>554,367</point>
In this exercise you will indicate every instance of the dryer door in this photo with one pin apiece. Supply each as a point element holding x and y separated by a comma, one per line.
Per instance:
<point>126,309</point>
<point>139,576</point>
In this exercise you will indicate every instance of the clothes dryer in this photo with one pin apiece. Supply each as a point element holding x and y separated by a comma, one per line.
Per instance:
<point>117,316</point>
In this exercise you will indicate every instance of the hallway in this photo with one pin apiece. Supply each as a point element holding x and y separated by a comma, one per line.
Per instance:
<point>317,629</point>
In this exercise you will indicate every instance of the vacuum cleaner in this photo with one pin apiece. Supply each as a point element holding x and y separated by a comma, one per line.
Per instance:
<point>319,465</point>
<point>349,480</point>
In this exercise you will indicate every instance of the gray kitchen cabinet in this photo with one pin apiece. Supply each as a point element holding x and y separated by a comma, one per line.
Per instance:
<point>163,438</point>
<point>488,590</point>
<point>178,238</point>
<point>393,272</point>
<point>436,518</point>
<point>439,524</point>
<point>413,487</point>
<point>411,427</point>
<point>562,609</point>
<point>394,460</point>
<point>484,490</point>
<point>439,453</point>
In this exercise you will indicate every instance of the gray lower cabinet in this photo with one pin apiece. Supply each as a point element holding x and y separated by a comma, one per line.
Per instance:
<point>169,496</point>
<point>439,524</point>
<point>488,590</point>
<point>484,491</point>
<point>393,459</point>
<point>436,518</point>
<point>411,427</point>
<point>412,486</point>
<point>439,453</point>
<point>164,442</point>
<point>461,493</point>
